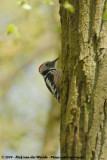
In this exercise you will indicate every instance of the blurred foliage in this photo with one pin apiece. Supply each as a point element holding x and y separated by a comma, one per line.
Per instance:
<point>49,2</point>
<point>25,4</point>
<point>69,6</point>
<point>13,29</point>
<point>23,113</point>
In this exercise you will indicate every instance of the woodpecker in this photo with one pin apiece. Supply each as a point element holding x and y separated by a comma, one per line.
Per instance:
<point>52,77</point>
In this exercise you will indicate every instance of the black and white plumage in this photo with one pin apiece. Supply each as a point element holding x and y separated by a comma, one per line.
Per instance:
<point>52,77</point>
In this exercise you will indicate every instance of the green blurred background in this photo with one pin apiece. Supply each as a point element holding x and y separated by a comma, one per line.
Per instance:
<point>29,35</point>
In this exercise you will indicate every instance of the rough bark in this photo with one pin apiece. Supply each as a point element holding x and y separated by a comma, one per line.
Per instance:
<point>84,80</point>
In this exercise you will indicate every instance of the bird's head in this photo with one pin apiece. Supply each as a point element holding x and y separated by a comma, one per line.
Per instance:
<point>46,66</point>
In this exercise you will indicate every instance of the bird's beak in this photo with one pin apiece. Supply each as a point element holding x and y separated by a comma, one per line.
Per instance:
<point>54,61</point>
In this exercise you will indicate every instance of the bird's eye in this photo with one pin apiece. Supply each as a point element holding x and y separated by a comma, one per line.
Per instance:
<point>47,64</point>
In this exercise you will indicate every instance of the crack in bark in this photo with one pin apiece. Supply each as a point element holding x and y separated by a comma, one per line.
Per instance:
<point>93,155</point>
<point>66,138</point>
<point>92,16</point>
<point>105,114</point>
<point>102,130</point>
<point>91,103</point>
<point>83,135</point>
<point>67,94</point>
<point>90,22</point>
<point>104,8</point>
<point>96,142</point>
<point>74,142</point>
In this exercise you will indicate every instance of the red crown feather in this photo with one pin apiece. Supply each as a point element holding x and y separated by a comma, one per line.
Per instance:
<point>40,67</point>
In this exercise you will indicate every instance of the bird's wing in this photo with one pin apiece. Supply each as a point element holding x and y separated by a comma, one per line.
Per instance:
<point>51,84</point>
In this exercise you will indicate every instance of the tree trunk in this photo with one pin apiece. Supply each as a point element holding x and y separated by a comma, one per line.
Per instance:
<point>84,80</point>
